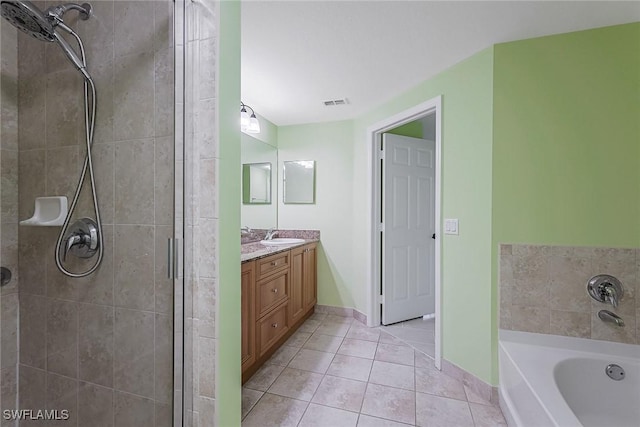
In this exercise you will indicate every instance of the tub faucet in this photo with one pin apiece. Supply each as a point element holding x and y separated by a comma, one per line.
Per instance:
<point>607,316</point>
<point>270,233</point>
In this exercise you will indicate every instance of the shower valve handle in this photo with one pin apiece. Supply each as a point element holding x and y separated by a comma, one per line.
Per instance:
<point>73,240</point>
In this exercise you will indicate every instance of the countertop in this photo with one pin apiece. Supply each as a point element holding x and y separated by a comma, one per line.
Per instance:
<point>256,250</point>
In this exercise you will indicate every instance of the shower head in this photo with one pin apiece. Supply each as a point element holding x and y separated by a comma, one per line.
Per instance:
<point>26,16</point>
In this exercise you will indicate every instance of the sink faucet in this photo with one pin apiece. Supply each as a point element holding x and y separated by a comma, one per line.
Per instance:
<point>270,233</point>
<point>607,316</point>
<point>246,230</point>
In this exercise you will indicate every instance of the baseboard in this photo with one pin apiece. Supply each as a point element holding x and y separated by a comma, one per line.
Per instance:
<point>342,311</point>
<point>478,386</point>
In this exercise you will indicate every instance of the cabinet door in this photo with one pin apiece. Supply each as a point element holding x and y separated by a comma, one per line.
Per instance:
<point>248,315</point>
<point>310,288</point>
<point>296,301</point>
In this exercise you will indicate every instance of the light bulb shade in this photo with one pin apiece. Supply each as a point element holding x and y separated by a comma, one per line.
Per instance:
<point>244,118</point>
<point>254,125</point>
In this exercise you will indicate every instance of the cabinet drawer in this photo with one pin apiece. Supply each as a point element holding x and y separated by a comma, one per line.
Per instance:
<point>271,264</point>
<point>271,292</point>
<point>271,328</point>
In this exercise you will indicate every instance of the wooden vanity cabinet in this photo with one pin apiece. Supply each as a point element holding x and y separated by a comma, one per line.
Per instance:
<point>279,293</point>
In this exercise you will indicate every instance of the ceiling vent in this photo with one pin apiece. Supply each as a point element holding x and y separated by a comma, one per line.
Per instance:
<point>341,101</point>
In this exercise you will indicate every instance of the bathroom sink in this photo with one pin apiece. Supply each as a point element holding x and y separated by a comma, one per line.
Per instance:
<point>281,241</point>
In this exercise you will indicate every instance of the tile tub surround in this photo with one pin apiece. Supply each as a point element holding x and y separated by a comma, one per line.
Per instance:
<point>543,289</point>
<point>100,346</point>
<point>315,380</point>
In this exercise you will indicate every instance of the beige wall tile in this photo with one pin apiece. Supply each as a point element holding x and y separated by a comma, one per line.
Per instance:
<point>570,324</point>
<point>9,332</point>
<point>530,319</point>
<point>33,321</point>
<point>9,255</point>
<point>164,104</point>
<point>163,358</point>
<point>96,344</point>
<point>62,337</point>
<point>98,287</point>
<point>133,362</point>
<point>569,277</point>
<point>64,122</point>
<point>134,182</point>
<point>134,95</point>
<point>164,180</point>
<point>133,411</point>
<point>31,178</point>
<point>62,393</point>
<point>9,388</point>
<point>31,110</point>
<point>207,368</point>
<point>32,385</point>
<point>134,27</point>
<point>95,406</point>
<point>9,193</point>
<point>206,303</point>
<point>63,168</point>
<point>134,263</point>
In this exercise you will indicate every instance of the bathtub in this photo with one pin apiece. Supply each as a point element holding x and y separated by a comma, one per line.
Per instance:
<point>549,380</point>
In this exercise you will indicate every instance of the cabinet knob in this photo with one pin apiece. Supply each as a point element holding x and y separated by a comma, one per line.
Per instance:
<point>275,290</point>
<point>275,325</point>
<point>274,263</point>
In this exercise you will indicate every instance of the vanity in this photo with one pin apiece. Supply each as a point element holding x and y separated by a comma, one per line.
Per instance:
<point>279,292</point>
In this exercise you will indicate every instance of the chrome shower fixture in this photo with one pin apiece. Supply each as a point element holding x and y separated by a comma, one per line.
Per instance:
<point>27,17</point>
<point>84,238</point>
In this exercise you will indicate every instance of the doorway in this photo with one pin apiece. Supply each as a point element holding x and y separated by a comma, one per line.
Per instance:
<point>405,230</point>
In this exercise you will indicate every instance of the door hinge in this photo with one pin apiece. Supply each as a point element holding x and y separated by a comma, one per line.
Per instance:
<point>381,227</point>
<point>381,154</point>
<point>174,257</point>
<point>380,299</point>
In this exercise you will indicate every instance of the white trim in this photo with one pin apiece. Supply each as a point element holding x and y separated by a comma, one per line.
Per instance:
<point>374,135</point>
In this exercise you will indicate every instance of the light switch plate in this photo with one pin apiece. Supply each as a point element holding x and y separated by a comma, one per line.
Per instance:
<point>451,226</point>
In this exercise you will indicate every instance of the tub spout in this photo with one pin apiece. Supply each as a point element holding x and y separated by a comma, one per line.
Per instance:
<point>607,316</point>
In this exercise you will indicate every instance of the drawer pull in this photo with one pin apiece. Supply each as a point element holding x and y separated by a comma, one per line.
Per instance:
<point>275,291</point>
<point>274,263</point>
<point>275,325</point>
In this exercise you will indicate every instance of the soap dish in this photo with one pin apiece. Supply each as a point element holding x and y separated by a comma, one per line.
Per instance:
<point>49,211</point>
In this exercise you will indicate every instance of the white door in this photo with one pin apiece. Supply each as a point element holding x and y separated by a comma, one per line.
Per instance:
<point>408,216</point>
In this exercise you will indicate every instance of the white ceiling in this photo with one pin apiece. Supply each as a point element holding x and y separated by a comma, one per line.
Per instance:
<point>296,54</point>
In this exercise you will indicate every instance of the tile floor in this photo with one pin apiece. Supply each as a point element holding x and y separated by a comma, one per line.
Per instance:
<point>336,372</point>
<point>418,333</point>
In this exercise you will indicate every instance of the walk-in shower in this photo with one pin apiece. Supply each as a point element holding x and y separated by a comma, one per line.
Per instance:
<point>84,238</point>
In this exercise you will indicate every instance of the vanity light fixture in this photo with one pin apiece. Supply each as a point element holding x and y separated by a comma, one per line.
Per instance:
<point>248,123</point>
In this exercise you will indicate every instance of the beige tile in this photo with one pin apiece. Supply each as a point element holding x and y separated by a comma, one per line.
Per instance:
<point>9,388</point>
<point>351,367</point>
<point>318,316</point>
<point>638,325</point>
<point>434,410</point>
<point>103,75</point>
<point>31,110</point>
<point>505,249</point>
<point>570,324</point>
<point>358,348</point>
<point>208,236</point>
<point>95,405</point>
<point>206,128</point>
<point>134,96</point>
<point>207,371</point>
<point>206,306</point>
<point>427,348</point>
<point>63,166</point>
<point>335,329</point>
<point>164,184</point>
<point>32,178</point>
<point>95,344</point>
<point>62,337</point>
<point>319,342</point>
<point>32,386</point>
<point>65,111</point>
<point>340,393</point>
<point>312,360</point>
<point>321,416</point>
<point>432,381</point>
<point>103,168</point>
<point>164,25</point>
<point>134,352</point>
<point>33,320</point>
<point>249,399</point>
<point>422,360</point>
<point>363,333</point>
<point>393,375</point>
<point>133,411</point>
<point>572,252</point>
<point>283,355</point>
<point>62,393</point>
<point>298,339</point>
<point>296,384</point>
<point>206,412</point>
<point>473,397</point>
<point>611,332</point>
<point>96,288</point>
<point>134,182</point>
<point>134,256</point>
<point>9,195</point>
<point>530,250</point>
<point>529,319</point>
<point>395,354</point>
<point>368,421</point>
<point>424,335</point>
<point>164,90</point>
<point>309,326</point>
<point>487,416</point>
<point>387,338</point>
<point>9,312</point>
<point>264,377</point>
<point>390,403</point>
<point>163,358</point>
<point>569,277</point>
<point>274,410</point>
<point>335,318</point>
<point>531,292</point>
<point>134,27</point>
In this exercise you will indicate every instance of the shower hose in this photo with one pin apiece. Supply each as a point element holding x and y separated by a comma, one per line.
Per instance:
<point>89,120</point>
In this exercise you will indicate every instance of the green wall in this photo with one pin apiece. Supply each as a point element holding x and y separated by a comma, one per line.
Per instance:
<point>412,129</point>
<point>467,94</point>
<point>566,151</point>
<point>228,372</point>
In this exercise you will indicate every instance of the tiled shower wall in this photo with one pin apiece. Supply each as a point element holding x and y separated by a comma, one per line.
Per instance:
<point>543,289</point>
<point>9,216</point>
<point>100,346</point>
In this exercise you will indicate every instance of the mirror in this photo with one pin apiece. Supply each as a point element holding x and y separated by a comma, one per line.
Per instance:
<point>258,160</point>
<point>256,183</point>
<point>299,182</point>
